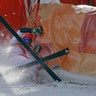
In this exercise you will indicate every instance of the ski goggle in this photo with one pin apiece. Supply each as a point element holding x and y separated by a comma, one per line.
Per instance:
<point>27,37</point>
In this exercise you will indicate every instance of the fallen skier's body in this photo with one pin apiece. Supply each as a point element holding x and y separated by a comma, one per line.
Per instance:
<point>19,55</point>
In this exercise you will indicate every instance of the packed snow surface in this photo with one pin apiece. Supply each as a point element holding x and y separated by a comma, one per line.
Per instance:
<point>29,88</point>
<point>20,83</point>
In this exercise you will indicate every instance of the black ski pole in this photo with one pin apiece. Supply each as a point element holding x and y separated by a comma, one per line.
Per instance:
<point>50,72</point>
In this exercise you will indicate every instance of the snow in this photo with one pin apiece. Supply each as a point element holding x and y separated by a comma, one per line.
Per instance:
<point>20,83</point>
<point>49,1</point>
<point>52,89</point>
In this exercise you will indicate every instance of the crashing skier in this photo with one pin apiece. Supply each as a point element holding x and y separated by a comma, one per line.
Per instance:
<point>21,56</point>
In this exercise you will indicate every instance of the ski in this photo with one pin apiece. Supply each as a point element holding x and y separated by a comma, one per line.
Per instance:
<point>39,60</point>
<point>47,58</point>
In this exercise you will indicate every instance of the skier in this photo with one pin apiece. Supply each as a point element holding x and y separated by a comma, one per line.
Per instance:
<point>18,55</point>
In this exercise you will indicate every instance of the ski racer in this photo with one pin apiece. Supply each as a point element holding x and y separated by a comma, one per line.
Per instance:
<point>18,55</point>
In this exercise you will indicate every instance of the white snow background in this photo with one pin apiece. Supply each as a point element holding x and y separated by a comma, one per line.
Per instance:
<point>20,84</point>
